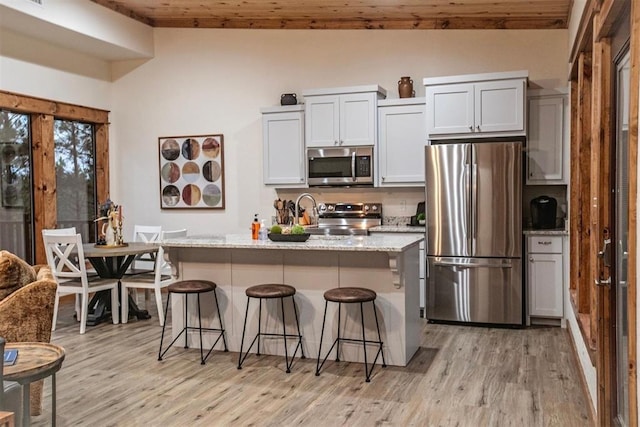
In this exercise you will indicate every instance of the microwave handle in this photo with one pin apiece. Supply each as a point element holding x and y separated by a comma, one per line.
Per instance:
<point>353,166</point>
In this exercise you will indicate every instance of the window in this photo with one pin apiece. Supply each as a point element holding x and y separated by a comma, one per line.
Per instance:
<point>16,219</point>
<point>75,176</point>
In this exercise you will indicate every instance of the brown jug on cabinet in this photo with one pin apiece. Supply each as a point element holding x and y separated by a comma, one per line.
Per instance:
<point>405,87</point>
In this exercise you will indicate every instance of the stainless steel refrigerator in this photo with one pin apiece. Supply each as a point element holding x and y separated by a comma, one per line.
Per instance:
<point>474,232</point>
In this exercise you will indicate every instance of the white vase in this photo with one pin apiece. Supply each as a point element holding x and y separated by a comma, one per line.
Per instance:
<point>109,236</point>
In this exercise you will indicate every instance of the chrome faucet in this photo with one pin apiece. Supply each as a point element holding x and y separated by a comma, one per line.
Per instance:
<point>297,207</point>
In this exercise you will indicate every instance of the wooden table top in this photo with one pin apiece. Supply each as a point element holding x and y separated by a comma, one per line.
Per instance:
<point>35,360</point>
<point>133,248</point>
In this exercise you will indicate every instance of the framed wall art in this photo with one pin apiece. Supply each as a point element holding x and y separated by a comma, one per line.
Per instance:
<point>192,172</point>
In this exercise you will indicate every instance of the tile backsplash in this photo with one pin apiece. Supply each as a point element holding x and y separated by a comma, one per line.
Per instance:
<point>398,204</point>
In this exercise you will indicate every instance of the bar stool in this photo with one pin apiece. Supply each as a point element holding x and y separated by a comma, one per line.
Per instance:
<point>197,287</point>
<point>271,291</point>
<point>351,296</point>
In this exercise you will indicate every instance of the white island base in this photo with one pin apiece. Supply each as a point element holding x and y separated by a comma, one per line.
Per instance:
<point>312,268</point>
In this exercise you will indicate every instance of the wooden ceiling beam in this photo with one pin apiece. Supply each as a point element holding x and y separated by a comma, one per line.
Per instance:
<point>368,24</point>
<point>338,14</point>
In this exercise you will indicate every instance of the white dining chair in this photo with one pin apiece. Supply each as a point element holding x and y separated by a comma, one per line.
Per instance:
<point>161,277</point>
<point>70,231</point>
<point>65,257</point>
<point>59,231</point>
<point>145,234</point>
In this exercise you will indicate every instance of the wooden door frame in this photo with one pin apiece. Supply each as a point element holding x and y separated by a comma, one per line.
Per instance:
<point>600,22</point>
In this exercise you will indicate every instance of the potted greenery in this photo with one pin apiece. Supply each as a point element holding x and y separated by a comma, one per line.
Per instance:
<point>421,218</point>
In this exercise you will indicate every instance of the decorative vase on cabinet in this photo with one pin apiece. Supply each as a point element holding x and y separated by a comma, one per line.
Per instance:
<point>405,87</point>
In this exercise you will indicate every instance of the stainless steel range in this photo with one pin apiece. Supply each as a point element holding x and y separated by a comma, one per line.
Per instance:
<point>347,218</point>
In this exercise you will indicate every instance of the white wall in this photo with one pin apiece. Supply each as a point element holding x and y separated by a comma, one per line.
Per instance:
<point>215,81</point>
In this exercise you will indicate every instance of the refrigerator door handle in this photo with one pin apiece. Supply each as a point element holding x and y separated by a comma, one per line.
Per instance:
<point>474,206</point>
<point>468,179</point>
<point>467,265</point>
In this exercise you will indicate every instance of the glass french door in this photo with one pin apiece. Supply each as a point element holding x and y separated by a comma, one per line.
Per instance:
<point>75,176</point>
<point>621,228</point>
<point>74,147</point>
<point>16,213</point>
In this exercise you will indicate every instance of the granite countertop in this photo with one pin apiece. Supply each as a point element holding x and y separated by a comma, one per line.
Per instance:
<point>398,229</point>
<point>548,232</point>
<point>373,243</point>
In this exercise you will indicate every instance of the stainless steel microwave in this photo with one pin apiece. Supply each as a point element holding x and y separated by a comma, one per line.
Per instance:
<point>340,166</point>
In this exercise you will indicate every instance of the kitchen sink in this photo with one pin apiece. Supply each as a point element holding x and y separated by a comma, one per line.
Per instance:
<point>315,230</point>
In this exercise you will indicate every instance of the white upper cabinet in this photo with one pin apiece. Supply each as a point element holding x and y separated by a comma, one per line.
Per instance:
<point>546,159</point>
<point>401,140</point>
<point>479,105</point>
<point>342,116</point>
<point>283,145</point>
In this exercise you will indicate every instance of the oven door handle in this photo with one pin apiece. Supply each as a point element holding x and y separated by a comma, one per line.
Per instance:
<point>353,166</point>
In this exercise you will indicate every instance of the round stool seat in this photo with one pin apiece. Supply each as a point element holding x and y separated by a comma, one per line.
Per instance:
<point>350,295</point>
<point>271,290</point>
<point>191,287</point>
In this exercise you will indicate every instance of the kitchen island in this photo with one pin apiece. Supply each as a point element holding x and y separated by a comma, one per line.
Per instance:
<point>387,264</point>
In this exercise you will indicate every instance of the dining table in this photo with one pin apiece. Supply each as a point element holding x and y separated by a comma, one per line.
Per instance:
<point>113,262</point>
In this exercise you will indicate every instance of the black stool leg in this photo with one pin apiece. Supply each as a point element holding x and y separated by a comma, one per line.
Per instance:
<point>259,323</point>
<point>186,325</point>
<point>164,324</point>
<point>295,311</point>
<point>224,340</point>
<point>200,330</point>
<point>384,364</point>
<point>338,339</point>
<point>364,345</point>
<point>244,327</point>
<point>284,336</point>
<point>324,319</point>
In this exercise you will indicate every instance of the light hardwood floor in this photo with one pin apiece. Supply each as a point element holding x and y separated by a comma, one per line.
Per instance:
<point>461,376</point>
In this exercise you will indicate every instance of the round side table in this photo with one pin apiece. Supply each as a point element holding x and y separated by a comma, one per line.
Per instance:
<point>35,361</point>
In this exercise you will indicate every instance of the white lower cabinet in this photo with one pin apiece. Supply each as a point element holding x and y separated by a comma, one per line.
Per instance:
<point>545,276</point>
<point>422,283</point>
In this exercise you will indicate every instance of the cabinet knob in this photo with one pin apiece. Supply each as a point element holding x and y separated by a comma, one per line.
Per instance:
<point>384,177</point>
<point>478,127</point>
<point>471,128</point>
<point>530,259</point>
<point>335,142</point>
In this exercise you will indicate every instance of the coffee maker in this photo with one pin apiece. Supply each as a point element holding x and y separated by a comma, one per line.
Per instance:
<point>543,212</point>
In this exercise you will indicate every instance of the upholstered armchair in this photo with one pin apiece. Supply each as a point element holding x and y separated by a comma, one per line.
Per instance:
<point>26,310</point>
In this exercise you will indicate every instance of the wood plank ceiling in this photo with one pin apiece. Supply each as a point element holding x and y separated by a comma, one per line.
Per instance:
<point>347,14</point>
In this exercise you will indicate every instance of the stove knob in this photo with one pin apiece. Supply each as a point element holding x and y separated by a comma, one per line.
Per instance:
<point>366,208</point>
<point>322,207</point>
<point>330,207</point>
<point>374,208</point>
